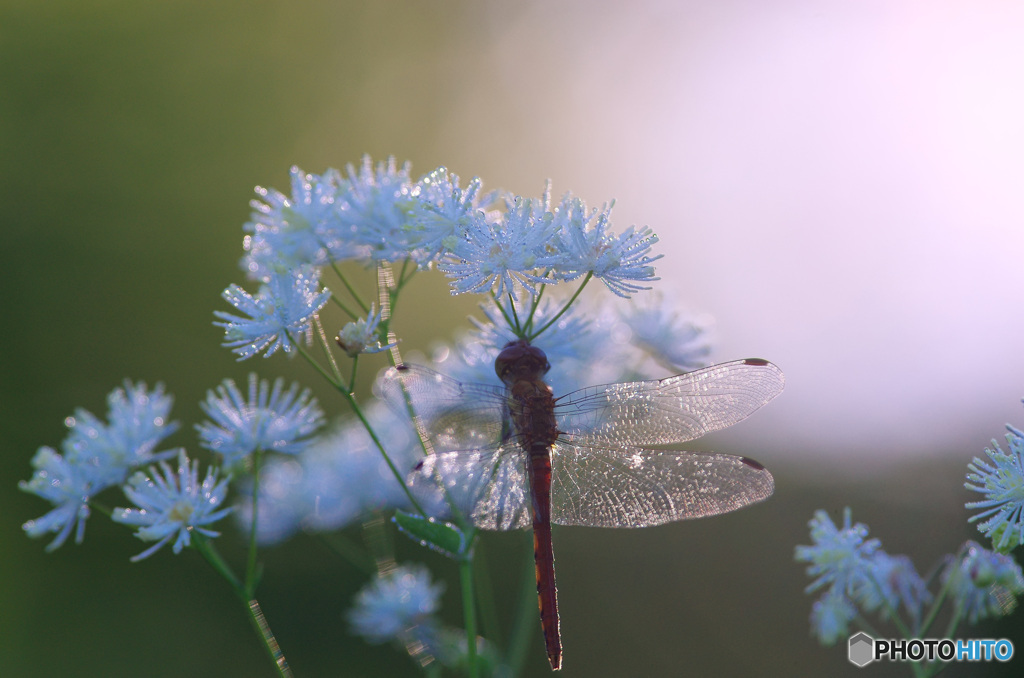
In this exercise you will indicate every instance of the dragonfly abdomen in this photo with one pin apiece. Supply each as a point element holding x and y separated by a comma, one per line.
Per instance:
<point>539,467</point>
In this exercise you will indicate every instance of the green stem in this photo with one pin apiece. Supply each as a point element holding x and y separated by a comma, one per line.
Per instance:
<point>401,274</point>
<point>508,319</point>
<point>326,346</point>
<point>250,568</point>
<point>252,606</point>
<point>351,290</point>
<point>380,446</point>
<point>259,622</point>
<point>565,308</point>
<point>345,309</point>
<point>336,382</point>
<point>469,613</point>
<point>400,283</point>
<point>897,620</point>
<point>347,394</point>
<point>519,327</point>
<point>534,305</point>
<point>934,611</point>
<point>208,552</point>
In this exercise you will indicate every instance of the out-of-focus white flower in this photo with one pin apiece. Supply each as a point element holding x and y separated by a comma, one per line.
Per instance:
<point>984,583</point>
<point>97,455</point>
<point>271,420</point>
<point>658,329</point>
<point>831,617</point>
<point>339,478</point>
<point>840,557</point>
<point>890,582</point>
<point>64,485</point>
<point>395,603</point>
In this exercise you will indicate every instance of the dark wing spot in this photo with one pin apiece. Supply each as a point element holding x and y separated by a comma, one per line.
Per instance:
<point>753,463</point>
<point>402,368</point>
<point>760,362</point>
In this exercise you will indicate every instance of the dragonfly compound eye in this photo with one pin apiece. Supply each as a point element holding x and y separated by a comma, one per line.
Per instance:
<point>520,360</point>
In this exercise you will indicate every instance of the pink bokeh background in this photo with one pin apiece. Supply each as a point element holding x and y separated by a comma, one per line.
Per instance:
<point>841,185</point>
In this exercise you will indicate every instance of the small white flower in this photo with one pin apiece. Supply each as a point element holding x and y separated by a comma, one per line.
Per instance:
<point>64,485</point>
<point>395,603</point>
<point>304,228</point>
<point>360,336</point>
<point>172,504</point>
<point>374,206</point>
<point>98,455</point>
<point>890,582</point>
<point>279,314</point>
<point>271,420</point>
<point>1001,480</point>
<point>137,422</point>
<point>840,557</point>
<point>444,212</point>
<point>587,245</point>
<point>499,256</point>
<point>831,617</point>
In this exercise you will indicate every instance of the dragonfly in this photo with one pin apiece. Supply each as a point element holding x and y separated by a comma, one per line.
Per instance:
<point>515,456</point>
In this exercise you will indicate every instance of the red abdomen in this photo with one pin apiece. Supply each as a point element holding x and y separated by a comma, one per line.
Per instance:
<point>544,555</point>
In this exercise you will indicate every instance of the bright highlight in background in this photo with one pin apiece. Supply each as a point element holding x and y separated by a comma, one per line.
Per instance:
<point>839,184</point>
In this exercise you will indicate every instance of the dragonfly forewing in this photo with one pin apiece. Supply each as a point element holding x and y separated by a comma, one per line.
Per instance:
<point>671,410</point>
<point>452,415</point>
<point>631,487</point>
<point>488,488</point>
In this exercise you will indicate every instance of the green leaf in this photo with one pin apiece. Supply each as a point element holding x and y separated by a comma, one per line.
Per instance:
<point>440,536</point>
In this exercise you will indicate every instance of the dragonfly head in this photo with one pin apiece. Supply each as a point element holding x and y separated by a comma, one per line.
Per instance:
<point>520,360</point>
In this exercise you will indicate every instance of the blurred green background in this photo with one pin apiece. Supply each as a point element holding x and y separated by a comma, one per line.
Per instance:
<point>131,136</point>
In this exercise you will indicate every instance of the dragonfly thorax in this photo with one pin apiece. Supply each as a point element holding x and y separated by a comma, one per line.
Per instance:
<point>521,361</point>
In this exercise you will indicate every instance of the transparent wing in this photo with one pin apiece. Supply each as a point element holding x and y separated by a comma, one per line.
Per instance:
<point>671,410</point>
<point>455,416</point>
<point>621,487</point>
<point>489,488</point>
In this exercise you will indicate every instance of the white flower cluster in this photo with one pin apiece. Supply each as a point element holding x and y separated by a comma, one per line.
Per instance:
<point>856,576</point>
<point>172,502</point>
<point>97,455</point>
<point>494,242</point>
